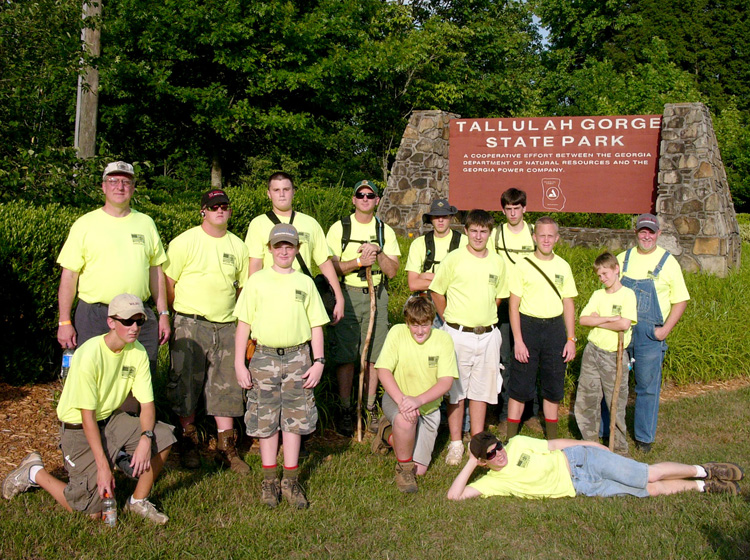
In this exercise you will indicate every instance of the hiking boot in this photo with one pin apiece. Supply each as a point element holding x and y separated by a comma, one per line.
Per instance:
<point>304,452</point>
<point>18,480</point>
<point>455,453</point>
<point>380,444</point>
<point>147,510</point>
<point>722,487</point>
<point>643,447</point>
<point>188,448</point>
<point>373,421</point>
<point>466,437</point>
<point>270,492</point>
<point>293,493</point>
<point>228,452</point>
<point>723,471</point>
<point>406,477</point>
<point>345,425</point>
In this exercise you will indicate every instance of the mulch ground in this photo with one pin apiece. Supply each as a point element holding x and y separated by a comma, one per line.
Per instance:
<point>28,421</point>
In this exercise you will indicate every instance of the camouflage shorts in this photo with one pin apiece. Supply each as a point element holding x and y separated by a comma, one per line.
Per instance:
<point>203,354</point>
<point>277,399</point>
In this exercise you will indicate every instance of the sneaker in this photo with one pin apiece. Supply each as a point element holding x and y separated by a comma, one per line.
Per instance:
<point>406,477</point>
<point>723,471</point>
<point>379,443</point>
<point>455,453</point>
<point>643,447</point>
<point>373,421</point>
<point>147,510</point>
<point>345,425</point>
<point>18,480</point>
<point>722,487</point>
<point>293,493</point>
<point>270,492</point>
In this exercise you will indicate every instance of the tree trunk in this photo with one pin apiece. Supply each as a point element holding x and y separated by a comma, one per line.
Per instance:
<point>215,173</point>
<point>88,85</point>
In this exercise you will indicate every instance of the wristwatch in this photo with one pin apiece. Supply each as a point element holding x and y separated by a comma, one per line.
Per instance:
<point>573,339</point>
<point>148,433</point>
<point>320,360</point>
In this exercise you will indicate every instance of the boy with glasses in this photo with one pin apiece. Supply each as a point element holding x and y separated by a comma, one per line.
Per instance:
<point>537,468</point>
<point>95,432</point>
<point>206,270</point>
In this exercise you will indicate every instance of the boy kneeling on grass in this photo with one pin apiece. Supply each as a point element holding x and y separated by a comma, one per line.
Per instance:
<point>416,367</point>
<point>610,310</point>
<point>558,468</point>
<point>95,433</point>
<point>286,314</point>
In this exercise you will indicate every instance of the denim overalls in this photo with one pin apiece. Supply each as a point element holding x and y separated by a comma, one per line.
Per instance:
<point>646,350</point>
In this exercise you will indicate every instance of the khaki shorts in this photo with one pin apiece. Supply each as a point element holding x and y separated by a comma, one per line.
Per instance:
<point>277,399</point>
<point>351,331</point>
<point>203,354</point>
<point>122,432</point>
<point>478,358</point>
<point>427,430</point>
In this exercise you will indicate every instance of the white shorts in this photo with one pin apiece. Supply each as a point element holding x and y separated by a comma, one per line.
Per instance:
<point>478,359</point>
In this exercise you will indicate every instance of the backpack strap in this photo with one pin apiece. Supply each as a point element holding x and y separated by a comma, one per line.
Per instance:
<point>300,261</point>
<point>551,283</point>
<point>455,240</point>
<point>429,251</point>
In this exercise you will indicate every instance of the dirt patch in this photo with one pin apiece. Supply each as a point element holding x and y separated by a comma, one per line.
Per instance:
<point>28,421</point>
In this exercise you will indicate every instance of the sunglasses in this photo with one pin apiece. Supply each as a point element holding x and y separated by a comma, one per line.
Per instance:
<point>129,322</point>
<point>368,196</point>
<point>492,454</point>
<point>215,207</point>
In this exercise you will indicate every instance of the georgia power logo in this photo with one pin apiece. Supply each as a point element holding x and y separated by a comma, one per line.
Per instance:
<point>552,195</point>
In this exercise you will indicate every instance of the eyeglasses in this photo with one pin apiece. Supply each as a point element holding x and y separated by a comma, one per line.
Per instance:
<point>129,322</point>
<point>124,182</point>
<point>368,196</point>
<point>492,454</point>
<point>215,207</point>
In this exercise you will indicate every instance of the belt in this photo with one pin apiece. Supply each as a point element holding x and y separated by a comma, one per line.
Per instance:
<point>475,330</point>
<point>279,351</point>
<point>101,423</point>
<point>195,317</point>
<point>365,290</point>
<point>541,319</point>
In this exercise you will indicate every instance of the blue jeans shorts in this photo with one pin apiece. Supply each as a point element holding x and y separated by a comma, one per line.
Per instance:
<point>599,472</point>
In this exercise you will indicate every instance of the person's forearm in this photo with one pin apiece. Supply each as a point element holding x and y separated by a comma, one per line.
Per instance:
<point>94,438</point>
<point>241,336</point>
<point>66,293</point>
<point>316,342</point>
<point>435,392</point>
<point>458,488</point>
<point>569,316</point>
<point>170,291</point>
<point>385,376</point>
<point>419,282</point>
<point>254,265</point>
<point>388,264</point>
<point>616,325</point>
<point>674,316</point>
<point>440,303</point>
<point>514,303</point>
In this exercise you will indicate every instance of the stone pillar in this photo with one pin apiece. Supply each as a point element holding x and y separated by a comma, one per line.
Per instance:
<point>693,202</point>
<point>420,172</point>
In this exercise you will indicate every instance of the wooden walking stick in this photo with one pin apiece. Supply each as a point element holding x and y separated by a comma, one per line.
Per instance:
<point>365,349</point>
<point>616,392</point>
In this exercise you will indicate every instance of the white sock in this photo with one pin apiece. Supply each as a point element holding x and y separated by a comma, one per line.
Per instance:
<point>32,473</point>
<point>222,431</point>
<point>701,485</point>
<point>700,472</point>
<point>134,501</point>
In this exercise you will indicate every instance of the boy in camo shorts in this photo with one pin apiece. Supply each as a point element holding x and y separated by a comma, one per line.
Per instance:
<point>284,310</point>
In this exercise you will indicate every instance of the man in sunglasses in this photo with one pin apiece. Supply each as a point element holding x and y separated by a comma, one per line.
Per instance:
<point>357,242</point>
<point>558,468</point>
<point>110,251</point>
<point>206,270</point>
<point>95,434</point>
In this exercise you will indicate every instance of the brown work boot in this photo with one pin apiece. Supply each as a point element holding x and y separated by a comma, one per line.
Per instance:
<point>293,493</point>
<point>228,452</point>
<point>188,448</point>
<point>270,492</point>
<point>723,471</point>
<point>722,487</point>
<point>406,477</point>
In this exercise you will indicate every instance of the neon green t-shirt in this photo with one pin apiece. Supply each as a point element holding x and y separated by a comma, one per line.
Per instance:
<point>670,284</point>
<point>417,252</point>
<point>538,299</point>
<point>622,303</point>
<point>280,308</point>
<point>417,367</point>
<point>471,285</point>
<point>533,471</point>
<point>361,233</point>
<point>112,255</point>
<point>206,270</point>
<point>519,245</point>
<point>312,247</point>
<point>100,380</point>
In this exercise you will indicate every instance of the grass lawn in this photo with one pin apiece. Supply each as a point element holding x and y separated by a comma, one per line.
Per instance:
<point>357,512</point>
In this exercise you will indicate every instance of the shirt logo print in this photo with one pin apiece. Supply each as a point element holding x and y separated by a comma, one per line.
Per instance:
<point>432,361</point>
<point>127,372</point>
<point>616,309</point>
<point>228,258</point>
<point>559,280</point>
<point>494,279</point>
<point>300,296</point>
<point>138,238</point>
<point>523,460</point>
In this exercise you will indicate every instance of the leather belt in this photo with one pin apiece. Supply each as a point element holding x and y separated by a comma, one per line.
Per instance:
<point>475,330</point>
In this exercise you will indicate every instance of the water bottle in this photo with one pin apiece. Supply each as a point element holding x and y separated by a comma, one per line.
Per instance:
<point>109,510</point>
<point>66,359</point>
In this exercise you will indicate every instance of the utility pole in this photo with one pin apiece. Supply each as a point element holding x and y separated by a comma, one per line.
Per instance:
<point>87,103</point>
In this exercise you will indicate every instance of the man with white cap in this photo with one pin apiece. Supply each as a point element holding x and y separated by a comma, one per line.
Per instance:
<point>110,251</point>
<point>95,434</point>
<point>656,278</point>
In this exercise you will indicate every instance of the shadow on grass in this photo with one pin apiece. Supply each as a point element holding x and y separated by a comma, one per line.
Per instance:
<point>728,545</point>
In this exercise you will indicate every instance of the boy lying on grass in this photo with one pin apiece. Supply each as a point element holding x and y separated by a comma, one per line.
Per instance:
<point>536,468</point>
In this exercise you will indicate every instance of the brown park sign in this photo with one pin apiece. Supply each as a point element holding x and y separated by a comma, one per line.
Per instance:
<point>565,164</point>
